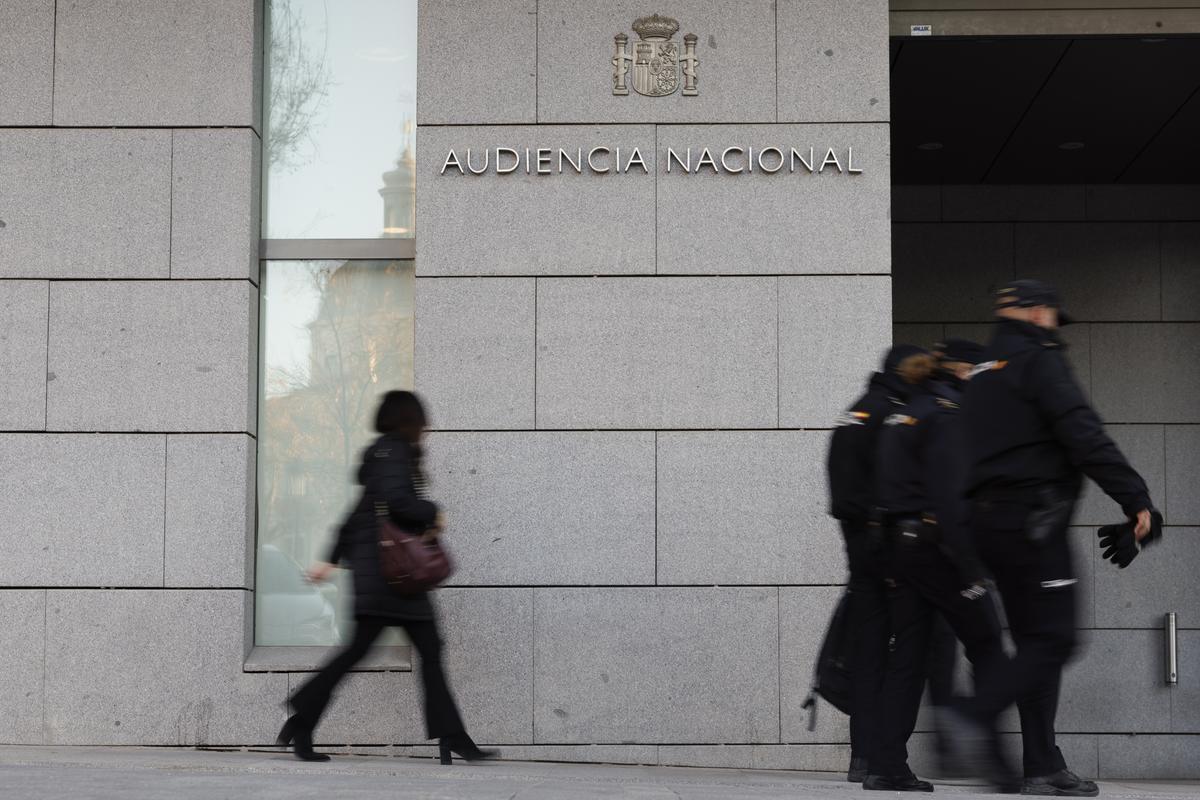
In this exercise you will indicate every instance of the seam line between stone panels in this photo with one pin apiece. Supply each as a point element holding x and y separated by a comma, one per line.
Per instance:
<point>775,42</point>
<point>53,60</point>
<point>1159,234</point>
<point>535,351</point>
<point>1167,477</point>
<point>171,210</point>
<point>45,646</point>
<point>778,347</point>
<point>533,636</point>
<point>537,57</point>
<point>779,658</point>
<point>594,122</point>
<point>532,666</point>
<point>166,473</point>
<point>46,374</point>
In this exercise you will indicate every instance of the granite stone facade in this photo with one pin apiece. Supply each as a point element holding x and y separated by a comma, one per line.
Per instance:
<point>660,355</point>
<point>129,321</point>
<point>632,376</point>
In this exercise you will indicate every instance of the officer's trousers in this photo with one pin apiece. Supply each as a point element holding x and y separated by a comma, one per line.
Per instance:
<point>1037,583</point>
<point>870,630</point>
<point>927,580</point>
<point>939,667</point>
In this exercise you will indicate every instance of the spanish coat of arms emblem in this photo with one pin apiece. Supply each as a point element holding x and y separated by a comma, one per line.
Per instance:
<point>656,59</point>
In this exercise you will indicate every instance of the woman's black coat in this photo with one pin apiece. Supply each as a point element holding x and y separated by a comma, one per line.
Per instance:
<point>387,474</point>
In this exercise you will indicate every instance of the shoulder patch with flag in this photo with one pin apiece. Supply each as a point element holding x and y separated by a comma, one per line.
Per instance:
<point>987,366</point>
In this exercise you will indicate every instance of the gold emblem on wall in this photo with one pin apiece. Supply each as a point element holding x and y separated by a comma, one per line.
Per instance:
<point>656,59</point>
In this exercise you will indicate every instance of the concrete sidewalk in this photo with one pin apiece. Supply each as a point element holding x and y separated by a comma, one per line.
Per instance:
<point>95,773</point>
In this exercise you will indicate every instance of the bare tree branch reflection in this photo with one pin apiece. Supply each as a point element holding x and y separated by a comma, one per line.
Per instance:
<point>299,82</point>
<point>318,416</point>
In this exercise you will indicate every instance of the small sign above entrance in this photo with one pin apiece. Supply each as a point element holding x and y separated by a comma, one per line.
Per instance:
<point>920,30</point>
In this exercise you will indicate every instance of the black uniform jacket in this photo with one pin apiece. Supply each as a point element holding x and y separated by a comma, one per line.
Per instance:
<point>923,467</point>
<point>851,459</point>
<point>386,475</point>
<point>1029,425</point>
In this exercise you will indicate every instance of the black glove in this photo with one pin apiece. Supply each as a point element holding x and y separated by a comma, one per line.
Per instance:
<point>1119,544</point>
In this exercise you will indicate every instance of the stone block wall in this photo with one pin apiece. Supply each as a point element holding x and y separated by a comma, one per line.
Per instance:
<point>129,158</point>
<point>1127,259</point>
<point>632,376</point>
<point>632,379</point>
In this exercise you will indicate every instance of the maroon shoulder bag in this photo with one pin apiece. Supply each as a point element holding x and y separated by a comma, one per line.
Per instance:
<point>409,564</point>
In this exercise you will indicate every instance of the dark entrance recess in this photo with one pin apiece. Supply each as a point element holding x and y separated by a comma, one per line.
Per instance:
<point>1045,110</point>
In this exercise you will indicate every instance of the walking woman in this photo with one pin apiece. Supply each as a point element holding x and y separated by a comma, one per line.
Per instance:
<point>390,474</point>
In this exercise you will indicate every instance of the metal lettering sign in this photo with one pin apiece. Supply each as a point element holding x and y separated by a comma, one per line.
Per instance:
<point>603,159</point>
<point>656,59</point>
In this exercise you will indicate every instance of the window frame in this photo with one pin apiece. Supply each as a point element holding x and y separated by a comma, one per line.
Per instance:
<point>309,658</point>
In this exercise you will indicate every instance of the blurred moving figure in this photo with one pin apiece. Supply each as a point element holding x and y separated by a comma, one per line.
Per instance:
<point>940,667</point>
<point>921,477</point>
<point>390,475</point>
<point>1032,436</point>
<point>851,469</point>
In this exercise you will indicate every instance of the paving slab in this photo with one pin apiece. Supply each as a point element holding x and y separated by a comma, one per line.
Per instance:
<point>181,774</point>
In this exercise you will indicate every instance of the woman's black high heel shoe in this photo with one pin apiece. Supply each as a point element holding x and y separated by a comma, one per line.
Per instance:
<point>461,746</point>
<point>288,731</point>
<point>296,734</point>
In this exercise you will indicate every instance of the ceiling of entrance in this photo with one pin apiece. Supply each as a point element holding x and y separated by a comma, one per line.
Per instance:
<point>1046,110</point>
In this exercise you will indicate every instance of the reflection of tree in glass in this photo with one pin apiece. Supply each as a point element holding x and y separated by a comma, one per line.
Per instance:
<point>360,345</point>
<point>298,82</point>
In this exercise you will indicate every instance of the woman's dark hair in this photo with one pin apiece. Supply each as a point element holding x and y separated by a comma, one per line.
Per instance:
<point>401,413</point>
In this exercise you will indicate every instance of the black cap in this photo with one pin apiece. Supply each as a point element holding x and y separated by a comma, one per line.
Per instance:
<point>1027,293</point>
<point>964,350</point>
<point>897,354</point>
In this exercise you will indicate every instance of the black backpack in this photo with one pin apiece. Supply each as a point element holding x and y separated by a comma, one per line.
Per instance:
<point>832,678</point>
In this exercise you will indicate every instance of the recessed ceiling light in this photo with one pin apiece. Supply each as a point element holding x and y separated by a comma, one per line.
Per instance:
<point>1071,146</point>
<point>930,146</point>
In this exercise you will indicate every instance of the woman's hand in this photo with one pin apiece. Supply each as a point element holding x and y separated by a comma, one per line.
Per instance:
<point>318,572</point>
<point>435,530</point>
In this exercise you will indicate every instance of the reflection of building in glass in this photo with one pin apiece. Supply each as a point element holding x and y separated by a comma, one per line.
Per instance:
<point>399,191</point>
<point>317,418</point>
<point>360,345</point>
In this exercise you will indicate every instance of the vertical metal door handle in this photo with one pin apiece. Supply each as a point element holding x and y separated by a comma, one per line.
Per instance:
<point>1172,640</point>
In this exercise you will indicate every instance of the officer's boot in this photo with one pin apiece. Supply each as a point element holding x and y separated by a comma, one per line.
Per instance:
<point>1063,783</point>
<point>896,783</point>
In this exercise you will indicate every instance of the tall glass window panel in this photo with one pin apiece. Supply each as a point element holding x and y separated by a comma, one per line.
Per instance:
<point>336,335</point>
<point>340,109</point>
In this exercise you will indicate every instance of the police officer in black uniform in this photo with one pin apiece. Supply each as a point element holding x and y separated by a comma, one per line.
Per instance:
<point>921,479</point>
<point>1032,437</point>
<point>851,469</point>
